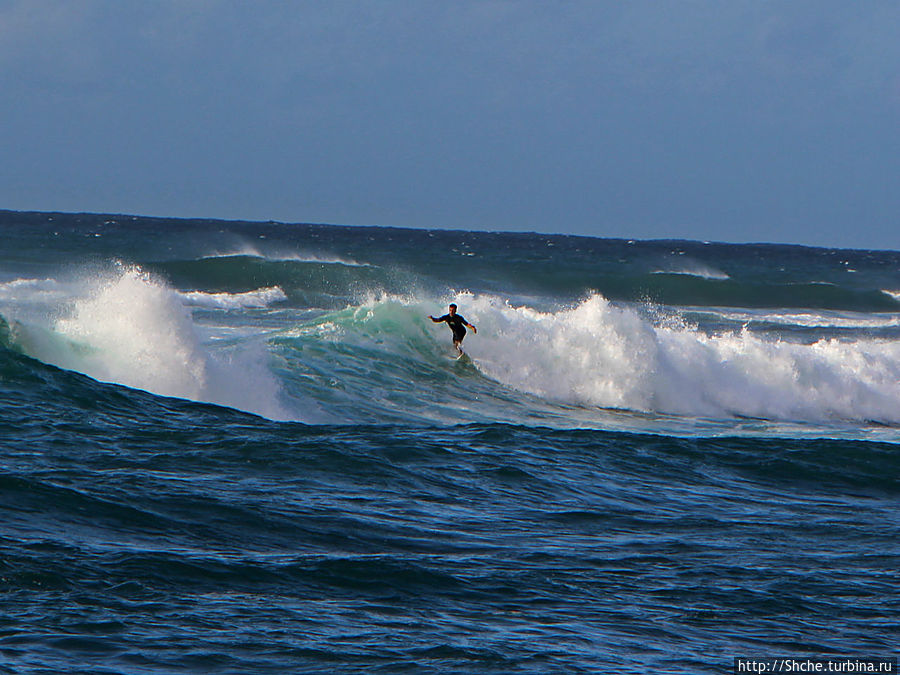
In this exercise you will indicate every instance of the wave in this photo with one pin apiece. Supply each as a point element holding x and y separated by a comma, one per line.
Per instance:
<point>327,280</point>
<point>851,320</point>
<point>32,290</point>
<point>696,270</point>
<point>301,283</point>
<point>604,355</point>
<point>262,297</point>
<point>317,284</point>
<point>689,290</point>
<point>250,251</point>
<point>131,328</point>
<point>575,365</point>
<point>382,360</point>
<point>37,285</point>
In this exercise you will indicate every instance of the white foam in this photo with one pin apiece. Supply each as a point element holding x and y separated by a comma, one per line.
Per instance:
<point>599,354</point>
<point>36,284</point>
<point>131,328</point>
<point>261,297</point>
<point>31,290</point>
<point>810,319</point>
<point>894,294</point>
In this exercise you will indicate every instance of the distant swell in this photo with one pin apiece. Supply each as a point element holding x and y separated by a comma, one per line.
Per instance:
<point>695,290</point>
<point>696,271</point>
<point>247,251</point>
<point>301,282</point>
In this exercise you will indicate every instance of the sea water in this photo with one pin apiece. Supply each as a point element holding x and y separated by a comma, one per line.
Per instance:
<point>244,447</point>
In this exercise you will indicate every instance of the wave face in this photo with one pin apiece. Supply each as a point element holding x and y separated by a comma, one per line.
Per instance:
<point>244,447</point>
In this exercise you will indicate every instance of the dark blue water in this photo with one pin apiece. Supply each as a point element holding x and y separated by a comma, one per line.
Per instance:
<point>243,448</point>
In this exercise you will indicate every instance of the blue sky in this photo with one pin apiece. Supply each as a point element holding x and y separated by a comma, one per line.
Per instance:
<point>730,121</point>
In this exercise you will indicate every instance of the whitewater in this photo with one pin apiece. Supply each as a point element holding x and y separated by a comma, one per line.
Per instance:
<point>654,455</point>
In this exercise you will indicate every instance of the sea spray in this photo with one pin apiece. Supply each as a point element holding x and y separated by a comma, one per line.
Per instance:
<point>128,327</point>
<point>601,354</point>
<point>587,355</point>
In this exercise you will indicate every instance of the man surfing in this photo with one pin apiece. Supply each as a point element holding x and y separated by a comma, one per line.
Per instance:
<point>457,324</point>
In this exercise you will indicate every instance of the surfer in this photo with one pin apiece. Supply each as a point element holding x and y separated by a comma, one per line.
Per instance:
<point>457,324</point>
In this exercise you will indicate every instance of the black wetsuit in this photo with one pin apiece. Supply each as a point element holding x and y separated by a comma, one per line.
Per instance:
<point>457,325</point>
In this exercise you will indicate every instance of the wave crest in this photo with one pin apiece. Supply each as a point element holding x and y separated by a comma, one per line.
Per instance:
<point>600,354</point>
<point>262,297</point>
<point>130,328</point>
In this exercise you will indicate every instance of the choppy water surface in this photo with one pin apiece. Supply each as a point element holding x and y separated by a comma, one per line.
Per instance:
<point>243,447</point>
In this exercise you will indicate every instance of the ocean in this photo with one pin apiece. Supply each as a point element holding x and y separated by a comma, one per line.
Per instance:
<point>237,447</point>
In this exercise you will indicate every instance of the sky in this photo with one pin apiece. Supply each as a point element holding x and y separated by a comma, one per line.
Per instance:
<point>744,120</point>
